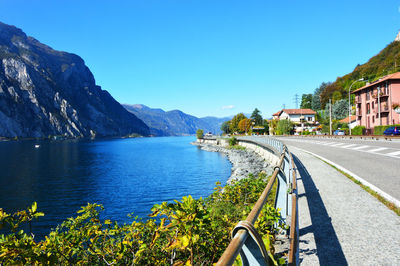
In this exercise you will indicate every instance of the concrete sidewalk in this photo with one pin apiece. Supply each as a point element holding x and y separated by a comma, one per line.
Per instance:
<point>339,222</point>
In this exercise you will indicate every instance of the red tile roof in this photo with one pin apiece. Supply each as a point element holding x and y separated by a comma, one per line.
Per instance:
<point>299,111</point>
<point>388,77</point>
<point>277,113</point>
<point>346,120</point>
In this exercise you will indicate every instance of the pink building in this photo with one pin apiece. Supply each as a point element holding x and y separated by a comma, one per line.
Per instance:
<point>374,102</point>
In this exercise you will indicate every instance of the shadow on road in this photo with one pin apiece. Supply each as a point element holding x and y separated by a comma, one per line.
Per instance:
<point>329,250</point>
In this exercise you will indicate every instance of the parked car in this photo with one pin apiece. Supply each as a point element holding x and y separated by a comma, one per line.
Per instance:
<point>391,131</point>
<point>339,132</point>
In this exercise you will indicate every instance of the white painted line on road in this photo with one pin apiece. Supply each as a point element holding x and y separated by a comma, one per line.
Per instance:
<point>348,146</point>
<point>393,153</point>
<point>364,182</point>
<point>330,143</point>
<point>338,144</point>
<point>378,149</point>
<point>360,147</point>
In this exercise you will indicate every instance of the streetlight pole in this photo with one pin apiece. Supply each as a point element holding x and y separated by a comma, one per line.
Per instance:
<point>361,79</point>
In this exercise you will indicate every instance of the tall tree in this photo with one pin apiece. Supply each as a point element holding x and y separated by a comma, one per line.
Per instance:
<point>256,116</point>
<point>234,124</point>
<point>244,125</point>
<point>225,127</point>
<point>306,100</point>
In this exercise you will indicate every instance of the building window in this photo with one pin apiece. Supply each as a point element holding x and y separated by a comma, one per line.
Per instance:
<point>373,106</point>
<point>368,108</point>
<point>373,119</point>
<point>309,118</point>
<point>368,92</point>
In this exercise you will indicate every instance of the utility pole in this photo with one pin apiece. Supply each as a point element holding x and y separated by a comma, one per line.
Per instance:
<point>296,100</point>
<point>330,117</point>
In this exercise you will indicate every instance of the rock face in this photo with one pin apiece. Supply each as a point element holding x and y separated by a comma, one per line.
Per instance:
<point>46,92</point>
<point>174,123</point>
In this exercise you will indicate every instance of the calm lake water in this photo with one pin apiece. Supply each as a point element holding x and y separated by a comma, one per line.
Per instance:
<point>125,175</point>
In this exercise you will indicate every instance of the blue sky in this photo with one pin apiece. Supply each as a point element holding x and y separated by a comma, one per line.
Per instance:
<point>217,57</point>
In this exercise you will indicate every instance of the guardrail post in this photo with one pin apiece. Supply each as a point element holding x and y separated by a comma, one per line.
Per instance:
<point>281,198</point>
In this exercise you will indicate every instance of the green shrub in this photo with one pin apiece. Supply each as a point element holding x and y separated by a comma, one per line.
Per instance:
<point>284,127</point>
<point>358,130</point>
<point>200,134</point>
<point>180,233</point>
<point>233,141</point>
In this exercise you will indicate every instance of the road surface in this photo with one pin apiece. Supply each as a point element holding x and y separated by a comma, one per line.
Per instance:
<point>376,161</point>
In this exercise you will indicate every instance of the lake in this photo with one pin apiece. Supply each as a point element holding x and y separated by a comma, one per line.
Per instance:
<point>125,175</point>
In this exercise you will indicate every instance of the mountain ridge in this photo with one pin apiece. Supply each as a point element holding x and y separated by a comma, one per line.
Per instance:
<point>48,92</point>
<point>174,122</point>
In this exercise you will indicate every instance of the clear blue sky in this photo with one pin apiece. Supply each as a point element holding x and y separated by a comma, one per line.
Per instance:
<point>211,57</point>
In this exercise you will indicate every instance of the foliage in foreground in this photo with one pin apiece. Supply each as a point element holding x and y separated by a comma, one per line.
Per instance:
<point>189,231</point>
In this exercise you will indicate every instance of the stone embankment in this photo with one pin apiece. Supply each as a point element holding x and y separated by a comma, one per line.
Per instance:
<point>244,162</point>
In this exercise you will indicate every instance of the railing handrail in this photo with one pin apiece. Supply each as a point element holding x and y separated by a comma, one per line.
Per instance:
<point>239,239</point>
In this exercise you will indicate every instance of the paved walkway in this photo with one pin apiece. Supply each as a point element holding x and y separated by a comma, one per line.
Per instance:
<point>339,222</point>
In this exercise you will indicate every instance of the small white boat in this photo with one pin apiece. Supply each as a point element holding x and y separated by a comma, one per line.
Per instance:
<point>37,146</point>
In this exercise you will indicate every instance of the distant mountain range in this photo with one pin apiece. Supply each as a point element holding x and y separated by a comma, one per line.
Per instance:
<point>175,122</point>
<point>46,92</point>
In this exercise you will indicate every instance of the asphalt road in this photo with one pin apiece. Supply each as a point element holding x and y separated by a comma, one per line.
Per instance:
<point>378,162</point>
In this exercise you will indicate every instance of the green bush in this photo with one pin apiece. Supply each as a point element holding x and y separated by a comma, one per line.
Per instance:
<point>233,141</point>
<point>358,130</point>
<point>284,127</point>
<point>378,130</point>
<point>180,233</point>
<point>200,134</point>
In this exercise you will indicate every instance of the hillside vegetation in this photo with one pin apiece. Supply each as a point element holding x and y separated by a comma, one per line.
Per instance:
<point>382,64</point>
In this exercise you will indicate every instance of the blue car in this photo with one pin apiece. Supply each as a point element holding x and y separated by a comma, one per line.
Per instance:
<point>391,131</point>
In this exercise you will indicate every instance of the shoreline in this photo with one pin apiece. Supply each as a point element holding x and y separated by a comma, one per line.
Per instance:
<point>244,162</point>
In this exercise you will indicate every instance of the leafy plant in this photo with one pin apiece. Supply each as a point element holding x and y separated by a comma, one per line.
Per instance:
<point>232,141</point>
<point>395,105</point>
<point>190,231</point>
<point>200,134</point>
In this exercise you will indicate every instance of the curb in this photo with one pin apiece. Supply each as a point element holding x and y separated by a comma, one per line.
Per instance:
<point>383,194</point>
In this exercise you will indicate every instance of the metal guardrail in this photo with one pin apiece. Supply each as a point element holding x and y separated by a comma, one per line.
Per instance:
<point>245,239</point>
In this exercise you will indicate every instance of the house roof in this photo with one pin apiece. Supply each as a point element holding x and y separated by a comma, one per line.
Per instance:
<point>346,120</point>
<point>299,111</point>
<point>277,113</point>
<point>385,78</point>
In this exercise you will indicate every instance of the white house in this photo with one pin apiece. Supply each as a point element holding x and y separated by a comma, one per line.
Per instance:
<point>302,118</point>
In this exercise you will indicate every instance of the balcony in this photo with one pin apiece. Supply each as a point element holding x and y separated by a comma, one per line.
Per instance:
<point>382,94</point>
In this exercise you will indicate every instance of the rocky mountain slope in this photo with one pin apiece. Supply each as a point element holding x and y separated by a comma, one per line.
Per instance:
<point>46,92</point>
<point>385,62</point>
<point>174,123</point>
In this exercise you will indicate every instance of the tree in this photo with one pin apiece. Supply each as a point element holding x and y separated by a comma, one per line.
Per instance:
<point>244,125</point>
<point>306,100</point>
<point>316,98</point>
<point>225,127</point>
<point>340,110</point>
<point>200,133</point>
<point>234,124</point>
<point>336,96</point>
<point>258,120</point>
<point>284,126</point>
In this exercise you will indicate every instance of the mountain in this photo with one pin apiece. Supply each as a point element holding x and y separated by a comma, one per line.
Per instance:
<point>385,62</point>
<point>174,123</point>
<point>46,92</point>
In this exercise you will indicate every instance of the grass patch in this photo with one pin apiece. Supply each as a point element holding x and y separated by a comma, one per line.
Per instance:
<point>236,147</point>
